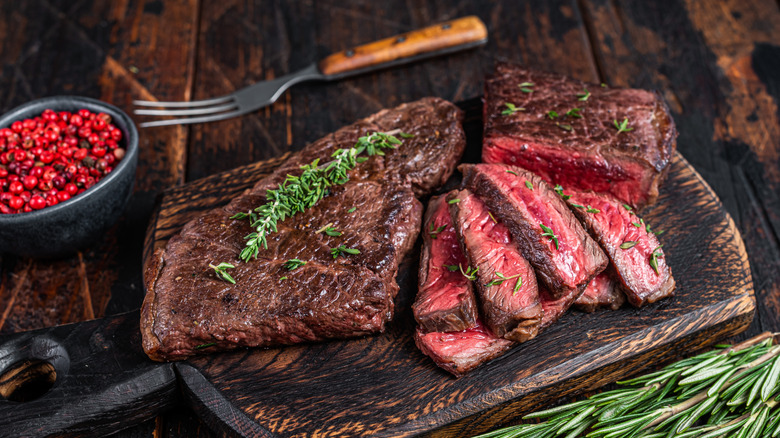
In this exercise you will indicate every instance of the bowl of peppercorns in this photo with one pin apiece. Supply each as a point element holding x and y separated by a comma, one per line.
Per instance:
<point>67,167</point>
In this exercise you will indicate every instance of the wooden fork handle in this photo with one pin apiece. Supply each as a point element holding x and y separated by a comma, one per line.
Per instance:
<point>431,41</point>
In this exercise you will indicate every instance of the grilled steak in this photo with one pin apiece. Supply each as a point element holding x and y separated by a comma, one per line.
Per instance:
<point>505,280</point>
<point>644,277</point>
<point>461,352</point>
<point>188,309</point>
<point>583,149</point>
<point>601,292</point>
<point>548,234</point>
<point>445,299</point>
<point>554,308</point>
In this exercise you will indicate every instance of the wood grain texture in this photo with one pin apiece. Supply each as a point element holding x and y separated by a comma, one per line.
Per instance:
<point>383,386</point>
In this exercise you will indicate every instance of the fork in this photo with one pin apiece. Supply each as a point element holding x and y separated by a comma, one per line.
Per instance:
<point>440,39</point>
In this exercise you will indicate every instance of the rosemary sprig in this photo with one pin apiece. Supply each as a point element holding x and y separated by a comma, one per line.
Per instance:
<point>548,232</point>
<point>297,193</point>
<point>730,391</point>
<point>221,272</point>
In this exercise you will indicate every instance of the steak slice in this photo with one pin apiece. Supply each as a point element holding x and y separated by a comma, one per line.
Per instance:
<point>601,292</point>
<point>445,301</point>
<point>565,258</point>
<point>188,309</point>
<point>554,308</point>
<point>628,242</point>
<point>505,280</point>
<point>585,153</point>
<point>461,352</point>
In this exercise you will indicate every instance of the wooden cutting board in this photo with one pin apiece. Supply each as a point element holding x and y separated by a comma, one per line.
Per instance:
<point>382,385</point>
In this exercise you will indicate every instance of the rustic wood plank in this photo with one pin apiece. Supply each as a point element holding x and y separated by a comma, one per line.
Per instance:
<point>716,64</point>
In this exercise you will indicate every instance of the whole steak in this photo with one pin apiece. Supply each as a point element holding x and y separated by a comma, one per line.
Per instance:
<point>569,132</point>
<point>189,310</point>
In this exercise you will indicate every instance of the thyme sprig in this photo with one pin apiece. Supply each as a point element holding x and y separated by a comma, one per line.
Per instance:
<point>221,271</point>
<point>511,109</point>
<point>434,231</point>
<point>622,126</point>
<point>654,258</point>
<point>502,278</point>
<point>730,391</point>
<point>293,264</point>
<point>297,193</point>
<point>342,250</point>
<point>548,232</point>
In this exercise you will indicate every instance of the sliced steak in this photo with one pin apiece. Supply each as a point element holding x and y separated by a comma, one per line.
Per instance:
<point>445,299</point>
<point>644,277</point>
<point>505,280</point>
<point>461,352</point>
<point>601,292</point>
<point>554,308</point>
<point>189,310</point>
<point>584,149</point>
<point>549,235</point>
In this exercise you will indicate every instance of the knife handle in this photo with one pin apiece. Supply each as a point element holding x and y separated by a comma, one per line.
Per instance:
<point>447,37</point>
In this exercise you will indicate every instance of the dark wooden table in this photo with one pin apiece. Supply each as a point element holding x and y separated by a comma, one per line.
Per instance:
<point>716,63</point>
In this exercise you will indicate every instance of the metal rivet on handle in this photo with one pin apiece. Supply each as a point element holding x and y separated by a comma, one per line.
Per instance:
<point>349,53</point>
<point>400,39</point>
<point>446,26</point>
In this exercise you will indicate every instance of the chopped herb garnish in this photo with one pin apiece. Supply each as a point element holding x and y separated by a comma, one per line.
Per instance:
<point>405,135</point>
<point>210,344</point>
<point>548,232</point>
<point>627,207</point>
<point>451,268</point>
<point>470,273</point>
<point>574,112</point>
<point>576,205</point>
<point>512,172</point>
<point>283,278</point>
<point>592,210</point>
<point>525,87</point>
<point>293,264</point>
<point>603,85</point>
<point>552,114</point>
<point>658,233</point>
<point>622,126</point>
<point>654,258</point>
<point>584,96</point>
<point>330,231</point>
<point>501,279</point>
<point>627,244</point>
<point>221,272</point>
<point>341,250</point>
<point>529,185</point>
<point>564,126</point>
<point>435,231</point>
<point>559,190</point>
<point>518,284</point>
<point>636,224</point>
<point>352,210</point>
<point>511,109</point>
<point>453,201</point>
<point>491,217</point>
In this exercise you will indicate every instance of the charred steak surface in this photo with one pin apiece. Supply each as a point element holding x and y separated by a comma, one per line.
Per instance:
<point>445,299</point>
<point>188,309</point>
<point>582,148</point>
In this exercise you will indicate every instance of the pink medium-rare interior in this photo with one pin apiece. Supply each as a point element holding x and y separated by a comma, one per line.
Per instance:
<point>627,181</point>
<point>570,251</point>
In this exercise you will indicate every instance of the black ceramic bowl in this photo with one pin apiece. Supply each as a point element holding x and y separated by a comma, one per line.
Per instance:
<point>71,225</point>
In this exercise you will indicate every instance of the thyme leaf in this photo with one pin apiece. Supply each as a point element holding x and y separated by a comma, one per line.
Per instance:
<point>341,250</point>
<point>559,190</point>
<point>526,87</point>
<point>451,268</point>
<point>552,115</point>
<point>548,232</point>
<point>575,113</point>
<point>529,185</point>
<point>512,172</point>
<point>511,109</point>
<point>293,264</point>
<point>221,272</point>
<point>201,346</point>
<point>453,201</point>
<point>584,96</point>
<point>628,244</point>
